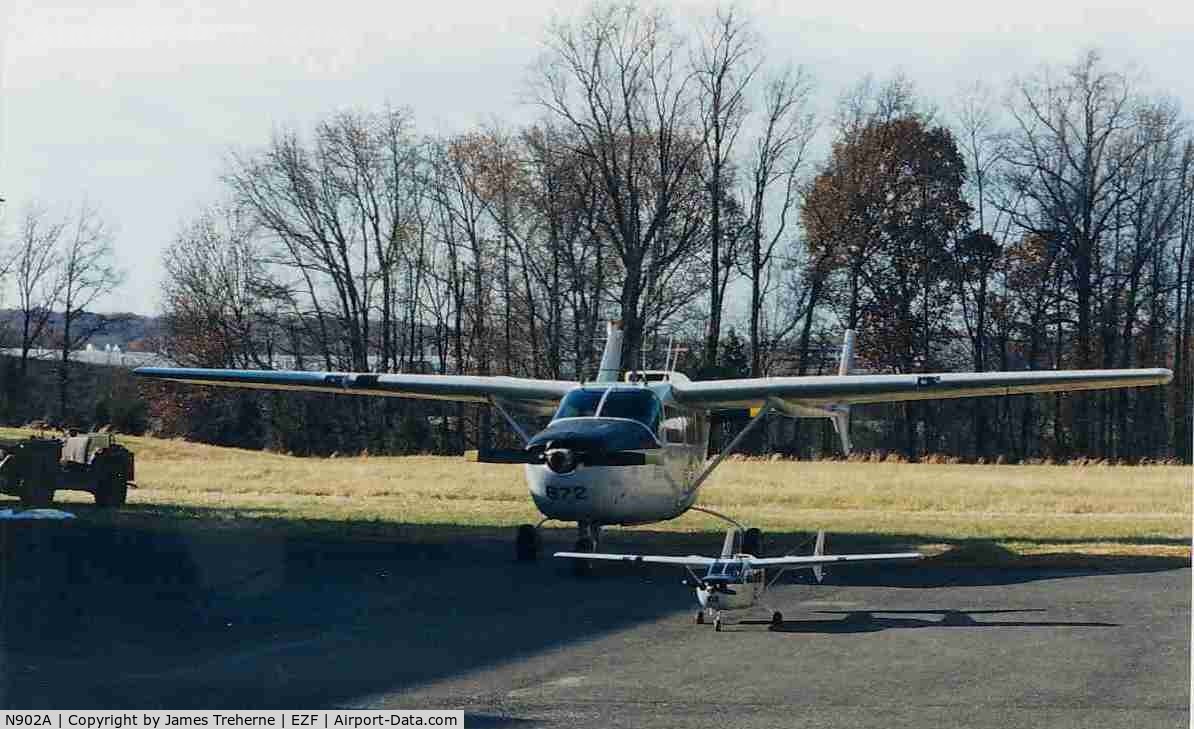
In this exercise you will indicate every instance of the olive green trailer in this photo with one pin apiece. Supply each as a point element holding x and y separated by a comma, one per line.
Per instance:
<point>33,469</point>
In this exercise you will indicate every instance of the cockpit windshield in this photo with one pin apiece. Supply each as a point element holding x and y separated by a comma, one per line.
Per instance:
<point>580,404</point>
<point>636,404</point>
<point>640,405</point>
<point>726,568</point>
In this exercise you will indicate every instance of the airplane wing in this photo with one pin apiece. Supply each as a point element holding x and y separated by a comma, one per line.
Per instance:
<point>535,395</point>
<point>823,559</point>
<point>690,561</point>
<point>807,395</point>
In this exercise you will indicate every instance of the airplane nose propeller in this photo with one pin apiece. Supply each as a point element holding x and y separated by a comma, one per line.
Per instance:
<point>561,460</point>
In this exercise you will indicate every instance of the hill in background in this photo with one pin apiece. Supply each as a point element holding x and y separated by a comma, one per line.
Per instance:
<point>130,332</point>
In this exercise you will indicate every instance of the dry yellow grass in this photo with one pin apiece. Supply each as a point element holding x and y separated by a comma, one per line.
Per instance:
<point>1028,509</point>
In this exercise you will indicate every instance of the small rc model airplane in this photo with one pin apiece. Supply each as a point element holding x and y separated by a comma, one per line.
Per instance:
<point>634,451</point>
<point>737,581</point>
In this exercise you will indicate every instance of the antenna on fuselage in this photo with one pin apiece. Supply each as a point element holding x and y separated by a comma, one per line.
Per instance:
<point>611,357</point>
<point>673,357</point>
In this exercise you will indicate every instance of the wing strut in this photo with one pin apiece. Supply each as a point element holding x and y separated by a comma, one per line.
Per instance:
<point>510,419</point>
<point>763,411</point>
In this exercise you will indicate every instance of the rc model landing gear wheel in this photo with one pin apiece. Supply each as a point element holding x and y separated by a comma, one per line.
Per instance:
<point>583,567</point>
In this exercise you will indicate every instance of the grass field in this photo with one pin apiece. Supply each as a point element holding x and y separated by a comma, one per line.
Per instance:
<point>1024,510</point>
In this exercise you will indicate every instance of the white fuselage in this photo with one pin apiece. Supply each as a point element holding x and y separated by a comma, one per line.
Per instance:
<point>624,495</point>
<point>620,494</point>
<point>613,494</point>
<point>743,592</point>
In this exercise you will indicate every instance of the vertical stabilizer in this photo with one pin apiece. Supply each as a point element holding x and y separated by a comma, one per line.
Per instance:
<point>847,361</point>
<point>611,358</point>
<point>730,546</point>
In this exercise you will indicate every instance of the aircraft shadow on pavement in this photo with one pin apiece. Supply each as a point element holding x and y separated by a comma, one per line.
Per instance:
<point>968,562</point>
<point>96,615</point>
<point>873,621</point>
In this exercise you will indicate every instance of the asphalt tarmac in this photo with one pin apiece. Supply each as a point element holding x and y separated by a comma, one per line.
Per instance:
<point>95,618</point>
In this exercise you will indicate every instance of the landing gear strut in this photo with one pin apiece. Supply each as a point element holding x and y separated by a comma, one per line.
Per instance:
<point>589,537</point>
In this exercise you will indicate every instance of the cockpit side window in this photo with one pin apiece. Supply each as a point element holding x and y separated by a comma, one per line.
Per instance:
<point>640,405</point>
<point>579,404</point>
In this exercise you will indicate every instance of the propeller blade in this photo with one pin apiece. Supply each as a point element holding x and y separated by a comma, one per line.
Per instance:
<point>501,456</point>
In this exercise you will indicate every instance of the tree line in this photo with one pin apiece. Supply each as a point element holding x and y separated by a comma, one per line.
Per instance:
<point>680,180</point>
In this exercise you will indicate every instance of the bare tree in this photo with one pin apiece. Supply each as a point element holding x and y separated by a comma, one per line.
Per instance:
<point>86,272</point>
<point>773,193</point>
<point>724,63</point>
<point>34,264</point>
<point>1071,146</point>
<point>614,80</point>
<point>217,294</point>
<point>978,254</point>
<point>1183,335</point>
<point>339,208</point>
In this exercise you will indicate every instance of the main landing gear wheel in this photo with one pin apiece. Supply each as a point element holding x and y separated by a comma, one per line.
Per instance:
<point>526,544</point>
<point>752,542</point>
<point>583,567</point>
<point>777,619</point>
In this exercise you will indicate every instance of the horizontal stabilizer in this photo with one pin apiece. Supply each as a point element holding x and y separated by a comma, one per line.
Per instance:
<point>690,561</point>
<point>697,561</point>
<point>816,560</point>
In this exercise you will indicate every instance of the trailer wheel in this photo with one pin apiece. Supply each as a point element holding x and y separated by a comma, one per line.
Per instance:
<point>113,468</point>
<point>40,475</point>
<point>34,495</point>
<point>112,492</point>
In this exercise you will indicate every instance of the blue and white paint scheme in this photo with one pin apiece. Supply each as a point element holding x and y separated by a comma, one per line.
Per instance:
<point>736,580</point>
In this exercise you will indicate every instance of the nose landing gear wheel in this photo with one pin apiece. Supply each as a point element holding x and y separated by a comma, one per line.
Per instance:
<point>526,544</point>
<point>583,567</point>
<point>777,619</point>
